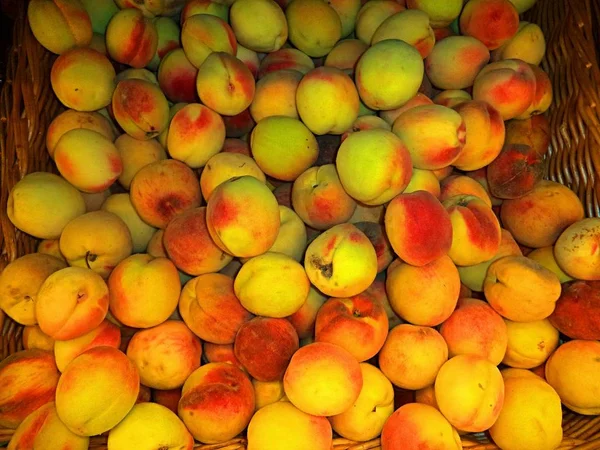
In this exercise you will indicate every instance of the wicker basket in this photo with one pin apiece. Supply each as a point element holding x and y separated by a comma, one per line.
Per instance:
<point>27,105</point>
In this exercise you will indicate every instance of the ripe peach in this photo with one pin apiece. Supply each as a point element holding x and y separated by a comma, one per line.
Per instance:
<point>50,247</point>
<point>529,343</point>
<point>441,14</point>
<point>224,166</point>
<point>545,256</point>
<point>493,22</point>
<point>137,74</point>
<point>203,34</point>
<point>462,185</point>
<point>452,97</point>
<point>292,237</point>
<point>345,55</point>
<point>275,95</point>
<point>131,38</point>
<point>259,25</point>
<point>314,27</point>
<point>177,77</point>
<point>423,180</point>
<point>576,249</point>
<point>163,137</point>
<point>367,122</point>
<point>542,98</point>
<point>222,353</point>
<point>304,319</point>
<point>378,237</point>
<point>371,15</point>
<point>528,45</point>
<point>136,154</point>
<point>233,145</point>
<point>168,398</point>
<point>285,59</point>
<point>577,310</point>
<point>150,8</point>
<point>411,26</point>
<point>168,33</point>
<point>34,337</point>
<point>391,115</point>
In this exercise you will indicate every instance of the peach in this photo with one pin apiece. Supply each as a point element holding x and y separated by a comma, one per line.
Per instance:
<point>268,392</point>
<point>225,84</point>
<point>390,85</point>
<point>222,353</point>
<point>391,115</point>
<point>97,240</point>
<point>210,309</point>
<point>82,402</point>
<point>576,249</point>
<point>43,430</point>
<point>224,166</point>
<point>59,25</point>
<point>304,319</point>
<point>378,237</point>
<point>462,185</point>
<point>323,390</point>
<point>529,343</point>
<point>577,310</point>
<point>368,122</point>
<point>347,10</point>
<point>94,200</point>
<point>20,283</point>
<point>50,247</point>
<point>275,95</point>
<point>571,371</point>
<point>341,262</point>
<point>149,425</point>
<point>42,204</point>
<point>531,424</point>
<point>480,175</point>
<point>371,15</point>
<point>469,391</point>
<point>34,337</point>
<point>239,125</point>
<point>29,379</point>
<point>162,190</point>
<point>314,27</point>
<point>378,292</point>
<point>444,172</point>
<point>493,22</point>
<point>203,34</point>
<point>520,289</point>
<point>285,59</point>
<point>411,26</point>
<point>164,136</point>
<point>193,7</point>
<point>151,8</point>
<point>168,398</point>
<point>98,43</point>
<point>140,108</point>
<point>366,213</point>
<point>345,54</point>
<point>452,97</point>
<point>249,58</point>
<point>136,154</point>
<point>436,285</point>
<point>242,216</point>
<point>168,33</point>
<point>476,233</point>
<point>418,227</point>
<point>509,86</point>
<point>144,291</point>
<point>412,356</point>
<point>474,328</point>
<point>283,422</point>
<point>441,14</point>
<point>75,87</point>
<point>177,77</point>
<point>131,38</point>
<point>137,74</point>
<point>259,25</point>
<point>528,45</point>
<point>414,426</point>
<point>217,402</point>
<point>542,98</point>
<point>292,237</point>
<point>545,256</point>
<point>515,172</point>
<point>426,396</point>
<point>423,180</point>
<point>287,281</point>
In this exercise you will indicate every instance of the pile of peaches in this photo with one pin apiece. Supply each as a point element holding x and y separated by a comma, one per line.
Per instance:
<point>275,220</point>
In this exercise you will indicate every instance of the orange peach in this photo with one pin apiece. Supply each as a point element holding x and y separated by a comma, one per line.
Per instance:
<point>177,77</point>
<point>268,392</point>
<point>131,38</point>
<point>411,26</point>
<point>462,185</point>
<point>217,402</point>
<point>239,125</point>
<point>275,95</point>
<point>576,249</point>
<point>493,22</point>
<point>136,154</point>
<point>168,398</point>
<point>391,115</point>
<point>304,319</point>
<point>221,353</point>
<point>292,237</point>
<point>314,27</point>
<point>285,59</point>
<point>259,25</point>
<point>529,343</point>
<point>452,97</point>
<point>345,54</point>
<point>34,337</point>
<point>203,34</point>
<point>426,396</point>
<point>371,15</point>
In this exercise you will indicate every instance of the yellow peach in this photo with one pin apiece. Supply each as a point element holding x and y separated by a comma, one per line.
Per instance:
<point>576,250</point>
<point>259,25</point>
<point>371,15</point>
<point>314,27</point>
<point>545,256</point>
<point>529,343</point>
<point>34,337</point>
<point>275,95</point>
<point>411,26</point>
<point>136,154</point>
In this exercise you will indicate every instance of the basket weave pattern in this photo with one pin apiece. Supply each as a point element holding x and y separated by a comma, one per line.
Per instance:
<point>28,105</point>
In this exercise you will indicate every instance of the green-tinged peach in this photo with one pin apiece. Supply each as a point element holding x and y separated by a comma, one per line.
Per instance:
<point>224,166</point>
<point>411,26</point>
<point>141,232</point>
<point>493,22</point>
<point>34,337</point>
<point>576,249</point>
<point>136,154</point>
<point>529,343</point>
<point>291,239</point>
<point>314,26</point>
<point>346,54</point>
<point>259,25</point>
<point>285,59</point>
<point>193,7</point>
<point>100,12</point>
<point>452,97</point>
<point>545,256</point>
<point>73,85</point>
<point>347,10</point>
<point>131,38</point>
<point>462,185</point>
<point>304,319</point>
<point>168,39</point>
<point>363,123</point>
<point>391,115</point>
<point>441,14</point>
<point>177,77</point>
<point>275,95</point>
<point>203,34</point>
<point>528,45</point>
<point>373,14</point>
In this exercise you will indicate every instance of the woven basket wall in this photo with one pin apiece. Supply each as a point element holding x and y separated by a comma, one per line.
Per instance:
<point>27,106</point>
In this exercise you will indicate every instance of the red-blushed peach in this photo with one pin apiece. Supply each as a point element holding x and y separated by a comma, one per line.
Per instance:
<point>275,95</point>
<point>165,355</point>
<point>358,324</point>
<point>168,398</point>
<point>243,217</point>
<point>509,86</point>
<point>480,175</point>
<point>234,145</point>
<point>140,108</point>
<point>264,346</point>
<point>222,353</point>
<point>390,85</point>
<point>162,190</point>
<point>543,95</point>
<point>539,217</point>
<point>476,233</point>
<point>249,58</point>
<point>43,430</point>
<point>71,302</point>
<point>436,285</point>
<point>149,425</point>
<point>455,62</point>
<point>577,310</point>
<point>70,119</point>
<point>441,14</point>
<point>285,59</point>
<point>287,282</point>
<point>391,115</point>
<point>210,309</point>
<point>105,334</point>
<point>224,166</point>
<point>131,38</point>
<point>82,402</point>
<point>34,337</point>
<point>528,45</point>
<point>20,283</point>
<point>50,247</point>
<point>203,34</point>
<point>341,262</point>
<point>177,77</point>
<point>283,147</point>
<point>493,22</point>
<point>414,426</point>
<point>59,25</point>
<point>29,379</point>
<point>469,391</point>
<point>452,97</point>
<point>411,26</point>
<point>217,402</point>
<point>323,390</point>
<point>529,343</point>
<point>239,125</point>
<point>462,185</point>
<point>545,256</point>
<point>283,422</point>
<point>520,289</point>
<point>378,292</point>
<point>196,133</point>
<point>418,228</point>
<point>98,43</point>
<point>378,237</point>
<point>345,54</point>
<point>426,396</point>
<point>412,356</point>
<point>373,166</point>
<point>319,198</point>
<point>571,371</point>
<point>73,85</point>
<point>163,137</point>
<point>304,319</point>
<point>371,15</point>
<point>576,249</point>
<point>168,39</point>
<point>438,148</point>
<point>193,7</point>
<point>136,154</point>
<point>474,328</point>
<point>314,27</point>
<point>144,291</point>
<point>225,84</point>
<point>259,25</point>
<point>423,180</point>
